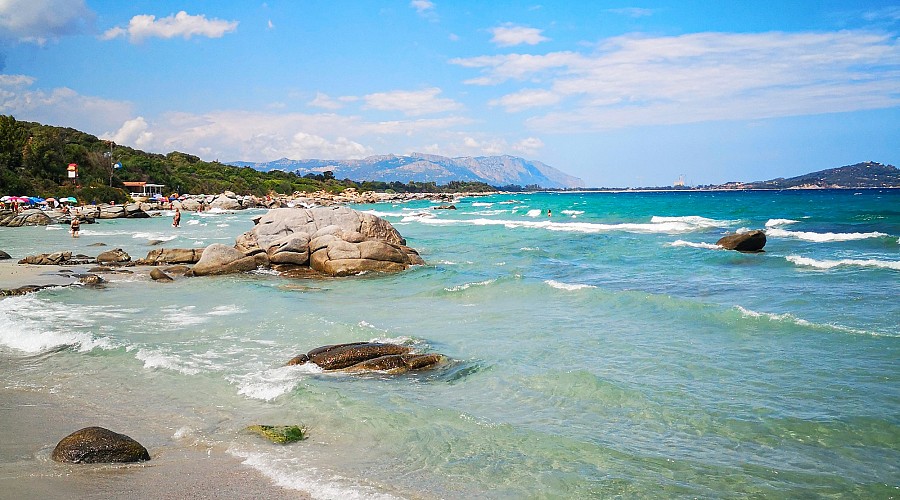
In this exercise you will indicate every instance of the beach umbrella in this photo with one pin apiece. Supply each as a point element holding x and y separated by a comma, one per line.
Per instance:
<point>5,198</point>
<point>19,199</point>
<point>36,199</point>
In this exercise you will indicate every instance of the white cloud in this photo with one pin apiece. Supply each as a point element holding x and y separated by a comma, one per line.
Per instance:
<point>411,102</point>
<point>422,6</point>
<point>632,12</point>
<point>132,132</point>
<point>633,80</point>
<point>526,99</point>
<point>528,146</point>
<point>889,14</point>
<point>510,35</point>
<point>325,102</point>
<point>181,24</point>
<point>37,21</point>
<point>59,106</point>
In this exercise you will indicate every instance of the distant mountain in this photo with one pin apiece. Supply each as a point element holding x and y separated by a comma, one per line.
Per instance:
<point>494,170</point>
<point>868,174</point>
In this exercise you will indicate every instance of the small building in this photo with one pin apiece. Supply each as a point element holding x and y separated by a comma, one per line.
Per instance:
<point>144,189</point>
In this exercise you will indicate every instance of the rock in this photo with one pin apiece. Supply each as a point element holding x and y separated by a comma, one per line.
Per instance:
<point>180,270</point>
<point>93,445</point>
<point>111,212</point>
<point>444,207</point>
<point>117,255</point>
<point>98,244</point>
<point>337,241</point>
<point>226,201</point>
<point>158,275</point>
<point>172,256</point>
<point>751,241</point>
<point>222,259</point>
<point>279,434</point>
<point>4,255</point>
<point>30,217</point>
<point>89,279</point>
<point>368,356</point>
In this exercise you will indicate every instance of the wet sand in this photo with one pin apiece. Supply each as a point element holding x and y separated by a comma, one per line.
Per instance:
<point>31,423</point>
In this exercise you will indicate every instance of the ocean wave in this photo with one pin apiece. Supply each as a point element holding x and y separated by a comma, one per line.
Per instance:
<point>226,310</point>
<point>283,469</point>
<point>667,227</point>
<point>466,286</point>
<point>154,236</point>
<point>177,317</point>
<point>567,286</point>
<point>33,325</point>
<point>790,318</point>
<point>156,359</point>
<point>682,243</point>
<point>481,204</point>
<point>573,212</point>
<point>534,212</point>
<point>268,384</point>
<point>691,220</point>
<point>780,222</point>
<point>829,264</point>
<point>822,237</point>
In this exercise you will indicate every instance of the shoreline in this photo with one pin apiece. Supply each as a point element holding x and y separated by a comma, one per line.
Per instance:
<point>176,469</point>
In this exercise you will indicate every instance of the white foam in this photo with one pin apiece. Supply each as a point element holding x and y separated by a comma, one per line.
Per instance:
<point>567,286</point>
<point>790,318</point>
<point>155,359</point>
<point>176,317</point>
<point>227,310</point>
<point>691,220</point>
<point>285,469</point>
<point>780,222</point>
<point>481,204</point>
<point>822,237</point>
<point>54,228</point>
<point>708,246</point>
<point>32,325</point>
<point>667,227</point>
<point>535,212</point>
<point>829,264</point>
<point>573,212</point>
<point>466,286</point>
<point>269,384</point>
<point>154,236</point>
<point>193,222</point>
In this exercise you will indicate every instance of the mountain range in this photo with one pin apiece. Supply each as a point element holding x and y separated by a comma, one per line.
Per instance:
<point>497,171</point>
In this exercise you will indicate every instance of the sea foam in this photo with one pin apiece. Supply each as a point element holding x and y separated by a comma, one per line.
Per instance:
<point>708,246</point>
<point>790,318</point>
<point>32,325</point>
<point>822,237</point>
<point>567,286</point>
<point>829,264</point>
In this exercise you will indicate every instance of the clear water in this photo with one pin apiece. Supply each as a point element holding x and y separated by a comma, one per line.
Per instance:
<point>607,350</point>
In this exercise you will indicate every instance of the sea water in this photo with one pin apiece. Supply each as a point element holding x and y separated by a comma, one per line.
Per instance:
<point>609,349</point>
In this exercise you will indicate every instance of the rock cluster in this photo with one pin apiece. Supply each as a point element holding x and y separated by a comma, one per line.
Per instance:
<point>93,445</point>
<point>336,241</point>
<point>368,356</point>
<point>58,259</point>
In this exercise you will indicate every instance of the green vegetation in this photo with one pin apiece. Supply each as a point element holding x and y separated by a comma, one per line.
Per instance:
<point>279,434</point>
<point>34,158</point>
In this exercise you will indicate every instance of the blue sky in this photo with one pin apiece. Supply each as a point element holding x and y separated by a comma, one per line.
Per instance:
<point>617,93</point>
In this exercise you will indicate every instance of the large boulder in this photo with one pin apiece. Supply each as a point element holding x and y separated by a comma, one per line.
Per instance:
<point>111,211</point>
<point>222,259</point>
<point>4,255</point>
<point>30,217</point>
<point>750,241</point>
<point>368,356</point>
<point>93,445</point>
<point>337,241</point>
<point>113,256</point>
<point>172,256</point>
<point>226,201</point>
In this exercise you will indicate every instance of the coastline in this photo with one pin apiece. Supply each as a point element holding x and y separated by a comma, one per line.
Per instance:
<point>176,469</point>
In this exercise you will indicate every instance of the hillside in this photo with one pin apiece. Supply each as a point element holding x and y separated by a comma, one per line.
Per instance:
<point>861,175</point>
<point>493,170</point>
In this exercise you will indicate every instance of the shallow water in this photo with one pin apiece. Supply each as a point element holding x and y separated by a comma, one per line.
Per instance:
<point>607,350</point>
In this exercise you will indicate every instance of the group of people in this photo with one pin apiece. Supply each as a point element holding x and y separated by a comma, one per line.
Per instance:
<point>75,225</point>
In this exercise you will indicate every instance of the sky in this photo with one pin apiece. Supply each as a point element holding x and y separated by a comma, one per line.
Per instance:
<point>618,93</point>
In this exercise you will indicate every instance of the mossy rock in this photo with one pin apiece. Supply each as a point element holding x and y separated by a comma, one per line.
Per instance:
<point>279,434</point>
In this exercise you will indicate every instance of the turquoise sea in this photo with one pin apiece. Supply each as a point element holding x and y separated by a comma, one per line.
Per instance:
<point>610,350</point>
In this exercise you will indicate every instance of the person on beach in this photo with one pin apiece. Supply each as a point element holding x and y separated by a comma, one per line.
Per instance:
<point>76,225</point>
<point>176,219</point>
<point>548,213</point>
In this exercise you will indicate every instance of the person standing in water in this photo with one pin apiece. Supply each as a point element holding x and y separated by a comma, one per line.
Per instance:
<point>549,213</point>
<point>176,219</point>
<point>76,225</point>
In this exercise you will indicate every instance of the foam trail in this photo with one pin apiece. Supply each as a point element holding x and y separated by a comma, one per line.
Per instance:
<point>790,318</point>
<point>822,237</point>
<point>567,286</point>
<point>829,264</point>
<point>576,227</point>
<point>708,246</point>
<point>780,222</point>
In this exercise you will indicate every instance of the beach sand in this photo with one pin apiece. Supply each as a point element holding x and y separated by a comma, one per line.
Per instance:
<point>32,422</point>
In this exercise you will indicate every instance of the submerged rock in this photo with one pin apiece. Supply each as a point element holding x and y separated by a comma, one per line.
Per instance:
<point>279,434</point>
<point>751,241</point>
<point>368,356</point>
<point>158,275</point>
<point>93,445</point>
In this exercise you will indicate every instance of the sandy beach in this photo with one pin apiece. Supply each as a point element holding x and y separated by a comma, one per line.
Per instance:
<point>33,421</point>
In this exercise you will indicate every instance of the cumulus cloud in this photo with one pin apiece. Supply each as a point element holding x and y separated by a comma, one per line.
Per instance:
<point>59,106</point>
<point>411,102</point>
<point>133,133</point>
<point>324,101</point>
<point>510,35</point>
<point>181,24</point>
<point>38,21</point>
<point>639,80</point>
